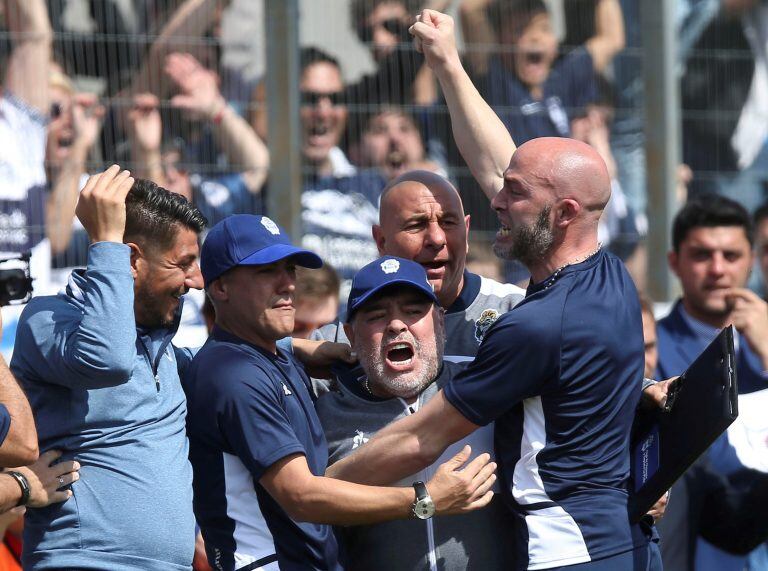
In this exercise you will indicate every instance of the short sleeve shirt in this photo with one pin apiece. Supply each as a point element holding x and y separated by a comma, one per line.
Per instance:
<point>5,423</point>
<point>560,374</point>
<point>569,87</point>
<point>249,408</point>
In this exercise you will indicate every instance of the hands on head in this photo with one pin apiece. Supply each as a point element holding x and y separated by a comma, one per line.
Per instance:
<point>101,207</point>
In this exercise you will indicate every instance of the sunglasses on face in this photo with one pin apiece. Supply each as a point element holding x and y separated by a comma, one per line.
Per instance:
<point>56,110</point>
<point>313,98</point>
<point>394,26</point>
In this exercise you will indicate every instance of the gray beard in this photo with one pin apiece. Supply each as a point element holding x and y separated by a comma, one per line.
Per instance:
<point>404,385</point>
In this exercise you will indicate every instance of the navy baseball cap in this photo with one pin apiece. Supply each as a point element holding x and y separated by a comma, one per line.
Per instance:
<point>248,240</point>
<point>385,272</point>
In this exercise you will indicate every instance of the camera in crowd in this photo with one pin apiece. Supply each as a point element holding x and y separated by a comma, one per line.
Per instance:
<point>15,282</point>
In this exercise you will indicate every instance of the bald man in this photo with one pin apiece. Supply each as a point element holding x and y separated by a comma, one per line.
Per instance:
<point>421,218</point>
<point>560,373</point>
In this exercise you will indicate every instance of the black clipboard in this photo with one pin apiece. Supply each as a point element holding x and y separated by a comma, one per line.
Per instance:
<point>701,405</point>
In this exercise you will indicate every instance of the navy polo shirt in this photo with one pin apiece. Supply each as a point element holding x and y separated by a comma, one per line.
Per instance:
<point>247,409</point>
<point>569,87</point>
<point>561,376</point>
<point>5,422</point>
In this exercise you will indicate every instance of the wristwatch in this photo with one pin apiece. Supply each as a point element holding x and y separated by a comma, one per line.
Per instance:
<point>423,507</point>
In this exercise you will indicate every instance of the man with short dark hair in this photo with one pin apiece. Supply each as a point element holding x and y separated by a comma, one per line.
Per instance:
<point>102,377</point>
<point>712,256</point>
<point>761,244</point>
<point>256,444</point>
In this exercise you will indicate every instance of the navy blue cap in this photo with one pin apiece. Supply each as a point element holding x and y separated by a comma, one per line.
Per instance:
<point>248,240</point>
<point>385,272</point>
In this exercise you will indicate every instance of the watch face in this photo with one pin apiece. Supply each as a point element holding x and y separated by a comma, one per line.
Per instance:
<point>424,508</point>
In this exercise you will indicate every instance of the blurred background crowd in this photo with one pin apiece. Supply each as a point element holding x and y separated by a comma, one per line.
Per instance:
<point>177,91</point>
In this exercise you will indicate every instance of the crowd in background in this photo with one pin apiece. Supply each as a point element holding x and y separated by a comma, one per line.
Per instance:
<point>148,87</point>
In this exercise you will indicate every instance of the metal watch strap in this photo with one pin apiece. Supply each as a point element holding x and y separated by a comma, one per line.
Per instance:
<point>21,480</point>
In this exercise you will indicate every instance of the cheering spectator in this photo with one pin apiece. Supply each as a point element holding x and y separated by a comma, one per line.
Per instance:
<point>392,143</point>
<point>24,107</point>
<point>534,91</point>
<point>216,196</point>
<point>73,130</point>
<point>761,244</point>
<point>339,204</point>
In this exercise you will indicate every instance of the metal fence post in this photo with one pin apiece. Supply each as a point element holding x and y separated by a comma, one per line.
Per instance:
<point>662,138</point>
<point>282,75</point>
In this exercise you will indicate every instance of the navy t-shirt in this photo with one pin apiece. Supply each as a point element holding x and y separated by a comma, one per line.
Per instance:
<point>570,86</point>
<point>5,422</point>
<point>247,409</point>
<point>561,374</point>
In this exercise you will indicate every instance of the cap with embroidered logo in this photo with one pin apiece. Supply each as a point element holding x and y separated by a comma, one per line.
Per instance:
<point>385,272</point>
<point>248,240</point>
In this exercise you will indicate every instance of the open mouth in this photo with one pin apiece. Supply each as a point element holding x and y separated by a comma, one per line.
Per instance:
<point>400,354</point>
<point>534,57</point>
<point>395,160</point>
<point>504,232</point>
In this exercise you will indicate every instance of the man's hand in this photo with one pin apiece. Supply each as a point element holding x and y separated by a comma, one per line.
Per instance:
<point>659,508</point>
<point>46,479</point>
<point>749,315</point>
<point>87,114</point>
<point>101,207</point>
<point>199,93</point>
<point>655,396</point>
<point>459,490</point>
<point>146,127</point>
<point>434,37</point>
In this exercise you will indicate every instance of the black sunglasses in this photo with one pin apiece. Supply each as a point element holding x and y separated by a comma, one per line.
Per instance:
<point>394,26</point>
<point>313,98</point>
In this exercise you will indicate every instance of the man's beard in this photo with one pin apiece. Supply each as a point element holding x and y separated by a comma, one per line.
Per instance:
<point>412,383</point>
<point>529,243</point>
<point>153,315</point>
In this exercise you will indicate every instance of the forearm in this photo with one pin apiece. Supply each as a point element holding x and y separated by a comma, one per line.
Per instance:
<point>481,137</point>
<point>20,445</point>
<point>609,33</point>
<point>189,22</point>
<point>27,71</point>
<point>243,147</point>
<point>478,36</point>
<point>342,503</point>
<point>391,455</point>
<point>10,493</point>
<point>62,202</point>
<point>148,164</point>
<point>103,345</point>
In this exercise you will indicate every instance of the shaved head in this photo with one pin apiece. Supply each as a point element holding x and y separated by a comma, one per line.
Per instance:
<point>421,217</point>
<point>555,190</point>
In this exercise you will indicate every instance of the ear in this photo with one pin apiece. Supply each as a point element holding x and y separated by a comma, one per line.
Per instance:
<point>466,224</point>
<point>378,237</point>
<point>350,331</point>
<point>566,212</point>
<point>672,260</point>
<point>218,290</point>
<point>137,258</point>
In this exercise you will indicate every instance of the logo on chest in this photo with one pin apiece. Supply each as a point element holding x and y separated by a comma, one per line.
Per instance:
<point>286,391</point>
<point>359,439</point>
<point>487,318</point>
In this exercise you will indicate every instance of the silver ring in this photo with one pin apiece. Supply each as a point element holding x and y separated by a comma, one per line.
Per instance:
<point>61,481</point>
